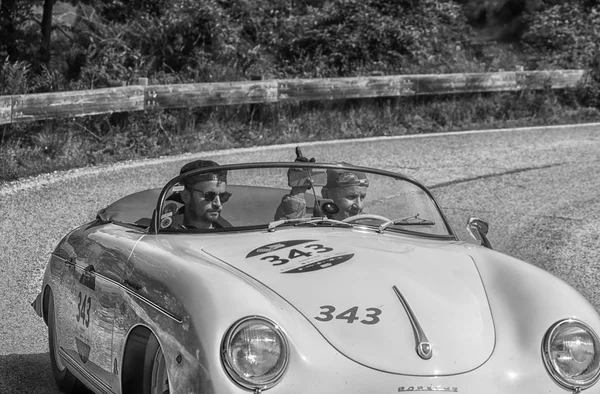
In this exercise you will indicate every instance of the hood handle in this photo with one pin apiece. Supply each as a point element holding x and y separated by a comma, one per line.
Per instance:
<point>423,346</point>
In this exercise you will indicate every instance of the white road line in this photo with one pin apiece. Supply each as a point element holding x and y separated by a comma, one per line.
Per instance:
<point>58,176</point>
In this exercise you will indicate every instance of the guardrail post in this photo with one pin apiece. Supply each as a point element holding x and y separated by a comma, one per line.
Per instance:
<point>5,109</point>
<point>255,109</point>
<point>385,103</point>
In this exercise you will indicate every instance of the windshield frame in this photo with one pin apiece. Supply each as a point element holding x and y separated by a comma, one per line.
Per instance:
<point>154,227</point>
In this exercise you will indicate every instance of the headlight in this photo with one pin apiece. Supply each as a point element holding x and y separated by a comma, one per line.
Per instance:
<point>571,351</point>
<point>255,353</point>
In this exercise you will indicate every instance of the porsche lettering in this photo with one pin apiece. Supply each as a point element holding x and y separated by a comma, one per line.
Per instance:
<point>428,388</point>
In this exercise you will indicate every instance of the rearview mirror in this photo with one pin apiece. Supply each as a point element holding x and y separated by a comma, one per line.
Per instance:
<point>307,177</point>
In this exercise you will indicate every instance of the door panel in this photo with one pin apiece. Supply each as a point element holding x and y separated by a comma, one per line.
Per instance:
<point>90,315</point>
<point>92,292</point>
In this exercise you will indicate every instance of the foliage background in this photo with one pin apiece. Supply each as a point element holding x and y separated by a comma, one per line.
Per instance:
<point>101,43</point>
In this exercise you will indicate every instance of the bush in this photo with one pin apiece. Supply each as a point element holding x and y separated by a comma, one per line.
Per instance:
<point>564,36</point>
<point>15,77</point>
<point>114,42</point>
<point>355,37</point>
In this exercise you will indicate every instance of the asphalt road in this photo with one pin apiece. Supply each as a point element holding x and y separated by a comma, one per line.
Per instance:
<point>539,189</point>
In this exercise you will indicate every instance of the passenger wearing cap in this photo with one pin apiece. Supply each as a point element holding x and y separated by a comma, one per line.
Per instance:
<point>203,196</point>
<point>347,189</point>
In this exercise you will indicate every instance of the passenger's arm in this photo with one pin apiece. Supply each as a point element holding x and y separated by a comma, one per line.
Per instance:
<point>293,205</point>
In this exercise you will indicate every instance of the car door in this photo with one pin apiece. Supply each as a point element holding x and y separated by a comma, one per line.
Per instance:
<point>92,285</point>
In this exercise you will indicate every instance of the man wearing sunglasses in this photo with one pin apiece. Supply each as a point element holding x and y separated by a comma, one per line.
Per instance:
<point>204,196</point>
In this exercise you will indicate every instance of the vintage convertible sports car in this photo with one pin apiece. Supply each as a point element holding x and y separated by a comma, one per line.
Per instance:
<point>317,296</point>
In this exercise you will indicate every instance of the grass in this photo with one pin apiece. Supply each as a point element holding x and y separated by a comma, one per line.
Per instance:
<point>42,147</point>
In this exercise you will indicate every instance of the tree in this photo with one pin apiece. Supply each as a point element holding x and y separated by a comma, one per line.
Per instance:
<point>8,28</point>
<point>46,31</point>
<point>16,31</point>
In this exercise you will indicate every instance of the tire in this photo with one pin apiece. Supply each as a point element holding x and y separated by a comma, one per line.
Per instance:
<point>156,379</point>
<point>65,380</point>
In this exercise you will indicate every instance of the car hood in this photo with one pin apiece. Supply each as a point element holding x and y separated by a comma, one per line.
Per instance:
<point>344,282</point>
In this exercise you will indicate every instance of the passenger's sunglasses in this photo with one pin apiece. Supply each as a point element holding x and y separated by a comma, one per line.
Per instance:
<point>210,196</point>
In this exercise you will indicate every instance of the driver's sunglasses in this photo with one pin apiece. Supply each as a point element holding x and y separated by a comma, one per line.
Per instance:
<point>210,196</point>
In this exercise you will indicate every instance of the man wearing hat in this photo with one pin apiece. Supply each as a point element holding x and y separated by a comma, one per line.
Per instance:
<point>347,189</point>
<point>203,196</point>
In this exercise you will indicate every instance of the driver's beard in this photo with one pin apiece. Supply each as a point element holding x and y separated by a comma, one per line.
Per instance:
<point>210,219</point>
<point>201,217</point>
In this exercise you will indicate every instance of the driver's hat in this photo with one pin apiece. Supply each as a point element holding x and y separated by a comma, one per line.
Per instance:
<point>217,175</point>
<point>341,177</point>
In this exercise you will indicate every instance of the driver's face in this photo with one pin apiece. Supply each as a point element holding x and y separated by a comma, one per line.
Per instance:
<point>198,209</point>
<point>349,199</point>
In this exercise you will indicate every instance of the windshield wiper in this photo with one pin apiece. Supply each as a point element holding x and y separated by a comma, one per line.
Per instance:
<point>407,221</point>
<point>326,221</point>
<point>313,221</point>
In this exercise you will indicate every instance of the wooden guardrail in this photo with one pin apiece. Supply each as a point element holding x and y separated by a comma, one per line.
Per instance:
<point>32,107</point>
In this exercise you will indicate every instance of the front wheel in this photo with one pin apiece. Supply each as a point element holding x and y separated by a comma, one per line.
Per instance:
<point>65,380</point>
<point>156,379</point>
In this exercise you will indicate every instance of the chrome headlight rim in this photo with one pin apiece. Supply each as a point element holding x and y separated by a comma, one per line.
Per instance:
<point>231,372</point>
<point>558,378</point>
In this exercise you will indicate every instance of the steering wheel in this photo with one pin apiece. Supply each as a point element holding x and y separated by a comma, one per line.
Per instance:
<point>365,216</point>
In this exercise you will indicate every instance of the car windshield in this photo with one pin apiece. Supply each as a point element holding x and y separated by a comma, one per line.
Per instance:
<point>276,196</point>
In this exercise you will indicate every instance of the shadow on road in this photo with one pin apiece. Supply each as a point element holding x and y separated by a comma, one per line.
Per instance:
<point>26,373</point>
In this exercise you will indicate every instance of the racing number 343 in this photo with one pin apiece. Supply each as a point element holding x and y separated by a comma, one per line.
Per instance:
<point>85,304</point>
<point>295,253</point>
<point>350,315</point>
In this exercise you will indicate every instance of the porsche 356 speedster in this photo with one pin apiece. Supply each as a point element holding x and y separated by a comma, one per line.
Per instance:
<point>304,278</point>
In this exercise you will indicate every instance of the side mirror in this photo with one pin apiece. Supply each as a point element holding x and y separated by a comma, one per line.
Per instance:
<point>478,229</point>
